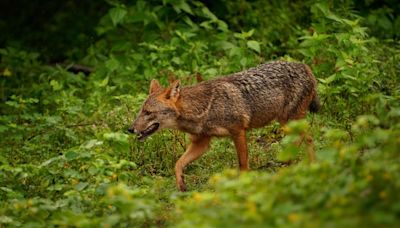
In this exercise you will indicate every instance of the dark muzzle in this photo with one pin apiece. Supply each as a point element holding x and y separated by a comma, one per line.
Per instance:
<point>131,130</point>
<point>141,135</point>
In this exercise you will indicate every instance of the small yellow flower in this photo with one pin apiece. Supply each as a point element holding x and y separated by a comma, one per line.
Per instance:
<point>216,200</point>
<point>337,144</point>
<point>17,206</point>
<point>215,179</point>
<point>286,129</point>
<point>7,72</point>
<point>293,217</point>
<point>383,195</point>
<point>197,197</point>
<point>342,152</point>
<point>251,206</point>
<point>74,181</point>
<point>387,176</point>
<point>110,192</point>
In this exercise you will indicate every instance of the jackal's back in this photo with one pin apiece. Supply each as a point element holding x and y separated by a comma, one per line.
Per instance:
<point>251,98</point>
<point>276,90</point>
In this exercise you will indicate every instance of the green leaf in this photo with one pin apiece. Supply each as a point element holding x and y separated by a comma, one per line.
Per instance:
<point>117,15</point>
<point>207,13</point>
<point>71,155</point>
<point>185,7</point>
<point>92,143</point>
<point>330,79</point>
<point>235,51</point>
<point>81,186</point>
<point>56,85</point>
<point>116,136</point>
<point>104,82</point>
<point>335,134</point>
<point>254,45</point>
<point>288,153</point>
<point>119,141</point>
<point>112,64</point>
<point>244,35</point>
<point>3,128</point>
<point>51,160</point>
<point>3,160</point>
<point>226,45</point>
<point>93,170</point>
<point>101,189</point>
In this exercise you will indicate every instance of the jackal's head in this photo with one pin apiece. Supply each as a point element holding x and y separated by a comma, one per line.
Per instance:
<point>158,111</point>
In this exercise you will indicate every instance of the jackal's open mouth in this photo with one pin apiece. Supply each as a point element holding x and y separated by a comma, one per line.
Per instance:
<point>150,130</point>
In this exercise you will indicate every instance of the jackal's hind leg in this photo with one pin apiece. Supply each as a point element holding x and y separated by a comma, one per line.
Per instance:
<point>197,147</point>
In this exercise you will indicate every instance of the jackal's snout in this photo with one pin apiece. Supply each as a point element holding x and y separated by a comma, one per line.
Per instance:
<point>143,128</point>
<point>132,130</point>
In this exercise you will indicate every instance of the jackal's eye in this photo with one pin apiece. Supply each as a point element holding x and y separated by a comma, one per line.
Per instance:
<point>146,113</point>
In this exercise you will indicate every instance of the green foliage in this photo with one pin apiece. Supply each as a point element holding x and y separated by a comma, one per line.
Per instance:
<point>347,187</point>
<point>67,160</point>
<point>348,63</point>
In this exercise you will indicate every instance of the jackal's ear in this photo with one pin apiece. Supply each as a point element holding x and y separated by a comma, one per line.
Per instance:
<point>154,86</point>
<point>175,88</point>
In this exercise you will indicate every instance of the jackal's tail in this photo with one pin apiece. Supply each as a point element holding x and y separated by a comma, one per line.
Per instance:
<point>315,105</point>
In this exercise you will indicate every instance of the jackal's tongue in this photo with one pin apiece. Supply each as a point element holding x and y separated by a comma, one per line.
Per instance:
<point>150,130</point>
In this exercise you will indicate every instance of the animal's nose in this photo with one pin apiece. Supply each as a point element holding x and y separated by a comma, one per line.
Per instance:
<point>131,130</point>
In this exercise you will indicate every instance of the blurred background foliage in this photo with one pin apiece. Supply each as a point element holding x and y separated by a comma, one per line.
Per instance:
<point>73,74</point>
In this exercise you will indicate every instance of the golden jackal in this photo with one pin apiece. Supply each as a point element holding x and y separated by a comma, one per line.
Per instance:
<point>228,106</point>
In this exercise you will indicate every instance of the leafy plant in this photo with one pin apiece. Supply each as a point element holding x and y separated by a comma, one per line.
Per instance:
<point>66,158</point>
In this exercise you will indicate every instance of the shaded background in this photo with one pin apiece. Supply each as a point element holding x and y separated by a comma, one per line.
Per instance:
<point>65,29</point>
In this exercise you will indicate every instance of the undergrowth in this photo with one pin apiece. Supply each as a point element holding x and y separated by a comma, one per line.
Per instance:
<point>66,158</point>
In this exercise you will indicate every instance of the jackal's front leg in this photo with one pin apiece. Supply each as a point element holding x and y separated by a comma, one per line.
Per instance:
<point>239,139</point>
<point>197,147</point>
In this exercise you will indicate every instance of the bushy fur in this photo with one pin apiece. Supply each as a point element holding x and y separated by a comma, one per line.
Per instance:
<point>228,106</point>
